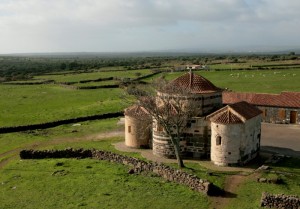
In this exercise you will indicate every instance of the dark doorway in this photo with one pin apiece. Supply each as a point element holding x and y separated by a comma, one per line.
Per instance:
<point>293,117</point>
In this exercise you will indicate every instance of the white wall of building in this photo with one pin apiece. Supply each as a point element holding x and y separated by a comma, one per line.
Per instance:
<point>239,142</point>
<point>137,132</point>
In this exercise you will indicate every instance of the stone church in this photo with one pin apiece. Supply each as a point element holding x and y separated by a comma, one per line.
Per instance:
<point>228,135</point>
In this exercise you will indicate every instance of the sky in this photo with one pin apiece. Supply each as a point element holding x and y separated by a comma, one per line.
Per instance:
<point>32,26</point>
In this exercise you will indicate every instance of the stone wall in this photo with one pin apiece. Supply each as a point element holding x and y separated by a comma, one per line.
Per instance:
<point>280,201</point>
<point>52,124</point>
<point>278,115</point>
<point>194,143</point>
<point>138,166</point>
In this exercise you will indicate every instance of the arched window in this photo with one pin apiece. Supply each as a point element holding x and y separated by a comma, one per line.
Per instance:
<point>218,140</point>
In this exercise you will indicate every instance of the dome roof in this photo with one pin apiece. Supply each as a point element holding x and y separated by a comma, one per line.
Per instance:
<point>194,83</point>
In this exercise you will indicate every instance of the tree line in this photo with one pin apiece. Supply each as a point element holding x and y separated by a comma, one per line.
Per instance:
<point>25,67</point>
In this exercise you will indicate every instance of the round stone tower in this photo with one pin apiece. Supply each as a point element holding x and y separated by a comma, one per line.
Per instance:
<point>208,98</point>
<point>235,134</point>
<point>137,127</point>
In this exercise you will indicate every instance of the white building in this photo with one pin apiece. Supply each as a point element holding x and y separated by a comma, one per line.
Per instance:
<point>235,134</point>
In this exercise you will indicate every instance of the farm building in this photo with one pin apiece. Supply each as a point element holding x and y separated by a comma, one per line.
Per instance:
<point>228,135</point>
<point>276,108</point>
<point>193,67</point>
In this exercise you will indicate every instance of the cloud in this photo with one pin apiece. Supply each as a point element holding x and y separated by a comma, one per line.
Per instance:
<point>66,25</point>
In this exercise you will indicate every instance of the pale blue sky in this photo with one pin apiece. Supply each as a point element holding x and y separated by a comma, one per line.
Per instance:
<point>147,25</point>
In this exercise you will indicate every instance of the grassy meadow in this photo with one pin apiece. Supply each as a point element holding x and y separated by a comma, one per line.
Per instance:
<point>72,183</point>
<point>76,77</point>
<point>30,104</point>
<point>249,193</point>
<point>259,81</point>
<point>88,183</point>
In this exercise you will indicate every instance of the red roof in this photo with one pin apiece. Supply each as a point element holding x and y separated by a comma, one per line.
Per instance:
<point>234,113</point>
<point>285,99</point>
<point>194,83</point>
<point>136,111</point>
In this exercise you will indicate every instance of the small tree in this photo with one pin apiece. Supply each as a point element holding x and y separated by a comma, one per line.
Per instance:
<point>169,106</point>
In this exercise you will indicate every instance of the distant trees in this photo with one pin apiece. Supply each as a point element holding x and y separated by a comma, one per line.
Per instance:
<point>14,67</point>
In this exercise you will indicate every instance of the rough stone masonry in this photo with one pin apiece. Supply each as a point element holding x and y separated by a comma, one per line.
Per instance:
<point>280,201</point>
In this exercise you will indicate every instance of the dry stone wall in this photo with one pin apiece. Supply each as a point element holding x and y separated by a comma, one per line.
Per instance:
<point>138,166</point>
<point>280,201</point>
<point>52,124</point>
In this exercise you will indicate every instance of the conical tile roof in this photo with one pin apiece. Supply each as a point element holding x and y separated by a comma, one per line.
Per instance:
<point>234,113</point>
<point>136,111</point>
<point>194,84</point>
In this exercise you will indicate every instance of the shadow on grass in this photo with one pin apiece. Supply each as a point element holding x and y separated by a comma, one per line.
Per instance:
<point>229,195</point>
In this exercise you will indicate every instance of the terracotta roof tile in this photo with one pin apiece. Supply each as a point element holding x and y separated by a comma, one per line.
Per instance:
<point>227,117</point>
<point>234,113</point>
<point>136,111</point>
<point>285,99</point>
<point>194,83</point>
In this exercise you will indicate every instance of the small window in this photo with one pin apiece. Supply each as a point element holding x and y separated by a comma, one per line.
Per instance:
<point>258,136</point>
<point>129,129</point>
<point>229,153</point>
<point>218,140</point>
<point>189,125</point>
<point>196,131</point>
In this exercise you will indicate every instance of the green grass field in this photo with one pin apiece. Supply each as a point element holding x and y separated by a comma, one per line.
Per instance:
<point>260,81</point>
<point>88,184</point>
<point>98,184</point>
<point>28,104</point>
<point>102,83</point>
<point>91,183</point>
<point>249,193</point>
<point>22,105</point>
<point>11,141</point>
<point>92,76</point>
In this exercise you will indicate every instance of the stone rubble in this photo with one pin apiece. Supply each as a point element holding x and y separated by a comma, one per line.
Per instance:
<point>280,201</point>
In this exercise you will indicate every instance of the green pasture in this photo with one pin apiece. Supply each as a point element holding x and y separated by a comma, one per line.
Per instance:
<point>249,193</point>
<point>100,83</point>
<point>229,66</point>
<point>29,104</point>
<point>12,141</point>
<point>253,64</point>
<point>259,81</point>
<point>88,184</point>
<point>76,77</point>
<point>26,81</point>
<point>32,104</point>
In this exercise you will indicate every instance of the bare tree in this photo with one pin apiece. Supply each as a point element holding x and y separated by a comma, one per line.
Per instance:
<point>169,106</point>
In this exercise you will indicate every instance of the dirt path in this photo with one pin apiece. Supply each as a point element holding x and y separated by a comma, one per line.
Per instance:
<point>232,182</point>
<point>13,154</point>
<point>231,185</point>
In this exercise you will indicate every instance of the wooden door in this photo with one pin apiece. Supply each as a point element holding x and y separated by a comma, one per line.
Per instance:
<point>293,117</point>
<point>281,114</point>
